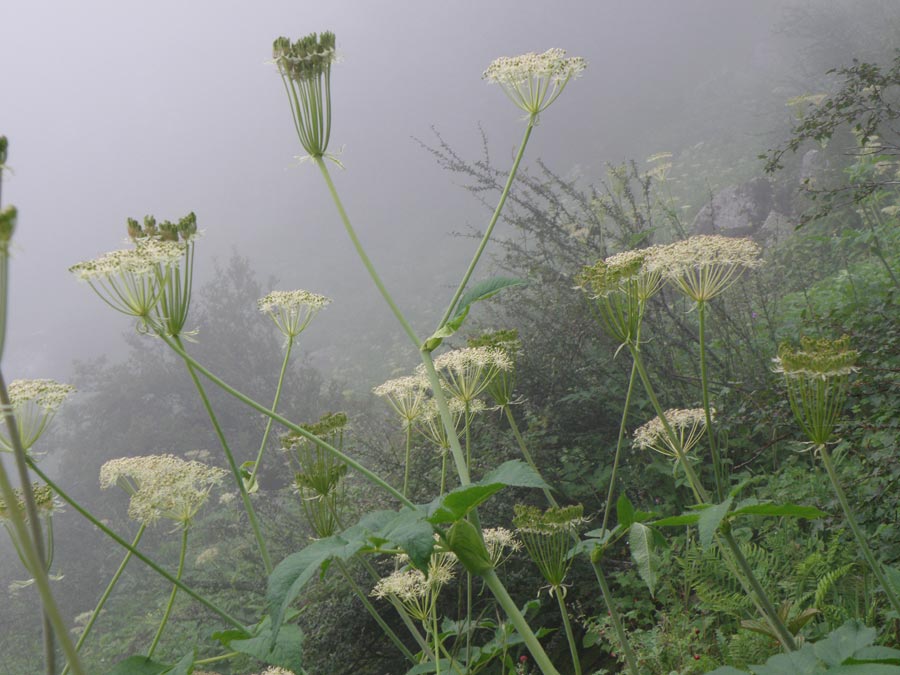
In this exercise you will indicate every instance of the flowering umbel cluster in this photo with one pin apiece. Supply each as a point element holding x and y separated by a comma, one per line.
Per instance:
<point>33,403</point>
<point>533,81</point>
<point>305,68</point>
<point>547,536</point>
<point>687,425</point>
<point>161,486</point>
<point>705,266</point>
<point>467,372</point>
<point>151,281</point>
<point>816,376</point>
<point>502,386</point>
<point>418,592</point>
<point>620,286</point>
<point>407,395</point>
<point>291,311</point>
<point>44,500</point>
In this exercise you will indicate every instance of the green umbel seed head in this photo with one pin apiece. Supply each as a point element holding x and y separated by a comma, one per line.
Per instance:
<point>547,536</point>
<point>816,376</point>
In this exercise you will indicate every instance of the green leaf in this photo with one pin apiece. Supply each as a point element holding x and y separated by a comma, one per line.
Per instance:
<point>429,667</point>
<point>710,519</point>
<point>138,665</point>
<point>842,643</point>
<point>876,655</point>
<point>184,666</point>
<point>283,649</point>
<point>294,572</point>
<point>625,511</point>
<point>484,290</point>
<point>456,504</point>
<point>467,543</point>
<point>678,521</point>
<point>410,531</point>
<point>727,670</point>
<point>777,510</point>
<point>640,539</point>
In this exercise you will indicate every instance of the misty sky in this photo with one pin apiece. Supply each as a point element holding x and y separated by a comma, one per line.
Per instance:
<point>117,109</point>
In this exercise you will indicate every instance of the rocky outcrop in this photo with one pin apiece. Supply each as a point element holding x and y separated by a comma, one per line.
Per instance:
<point>737,211</point>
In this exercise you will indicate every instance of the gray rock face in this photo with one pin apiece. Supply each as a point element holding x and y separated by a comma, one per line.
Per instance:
<point>736,211</point>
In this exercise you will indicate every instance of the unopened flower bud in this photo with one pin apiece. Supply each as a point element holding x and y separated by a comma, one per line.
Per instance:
<point>7,223</point>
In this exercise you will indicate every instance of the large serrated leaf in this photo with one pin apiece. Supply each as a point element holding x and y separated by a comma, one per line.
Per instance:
<point>710,519</point>
<point>456,504</point>
<point>624,511</point>
<point>844,642</point>
<point>294,572</point>
<point>184,666</point>
<point>411,532</point>
<point>640,540</point>
<point>284,649</point>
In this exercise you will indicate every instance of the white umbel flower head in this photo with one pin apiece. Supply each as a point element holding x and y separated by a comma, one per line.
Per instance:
<point>33,403</point>
<point>688,426</point>
<point>291,311</point>
<point>128,280</point>
<point>161,486</point>
<point>533,81</point>
<point>406,395</point>
<point>467,372</point>
<point>705,266</point>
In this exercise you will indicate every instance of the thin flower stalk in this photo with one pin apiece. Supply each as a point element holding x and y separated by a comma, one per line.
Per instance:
<point>171,603</point>
<point>134,551</point>
<point>718,468</point>
<point>630,658</point>
<point>252,484</point>
<point>32,547</point>
<point>98,608</point>
<point>45,395</point>
<point>702,496</point>
<point>620,441</point>
<point>407,396</point>
<point>370,475</point>
<point>174,340</point>
<point>816,375</point>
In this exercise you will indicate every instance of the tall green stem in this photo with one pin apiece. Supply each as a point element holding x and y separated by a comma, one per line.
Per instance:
<point>95,614</point>
<point>523,448</point>
<point>710,433</point>
<point>235,471</point>
<point>265,438</point>
<point>171,603</point>
<point>135,552</point>
<point>771,614</point>
<point>619,442</point>
<point>521,625</point>
<point>33,541</point>
<point>857,532</point>
<point>490,227</point>
<point>365,258</point>
<point>347,459</point>
<point>392,636</point>
<point>630,659</point>
<point>573,648</point>
<point>406,459</point>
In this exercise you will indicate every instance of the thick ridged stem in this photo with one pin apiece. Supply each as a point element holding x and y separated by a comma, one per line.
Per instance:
<point>877,569</point>
<point>265,438</point>
<point>521,624</point>
<point>106,593</point>
<point>171,603</point>
<point>136,553</point>
<point>235,471</point>
<point>769,611</point>
<point>630,659</point>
